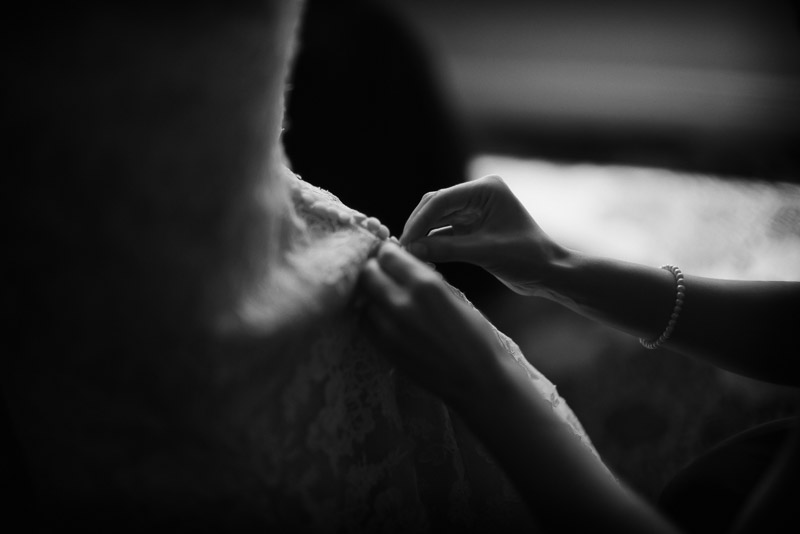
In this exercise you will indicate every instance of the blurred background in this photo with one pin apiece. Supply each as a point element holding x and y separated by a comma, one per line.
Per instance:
<point>705,85</point>
<point>656,132</point>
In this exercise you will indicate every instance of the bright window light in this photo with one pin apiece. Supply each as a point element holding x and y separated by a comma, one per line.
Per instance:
<point>710,226</point>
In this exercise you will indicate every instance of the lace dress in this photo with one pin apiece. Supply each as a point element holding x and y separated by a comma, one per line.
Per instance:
<point>344,443</point>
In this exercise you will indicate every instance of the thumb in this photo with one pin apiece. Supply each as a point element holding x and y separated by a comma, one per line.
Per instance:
<point>439,248</point>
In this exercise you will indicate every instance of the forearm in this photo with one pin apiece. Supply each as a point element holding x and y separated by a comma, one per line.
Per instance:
<point>565,485</point>
<point>746,327</point>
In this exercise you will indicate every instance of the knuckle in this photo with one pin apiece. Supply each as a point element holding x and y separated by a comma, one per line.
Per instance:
<point>495,181</point>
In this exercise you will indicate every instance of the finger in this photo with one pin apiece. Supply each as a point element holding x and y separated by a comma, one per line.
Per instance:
<point>448,248</point>
<point>379,286</point>
<point>438,206</point>
<point>424,200</point>
<point>401,266</point>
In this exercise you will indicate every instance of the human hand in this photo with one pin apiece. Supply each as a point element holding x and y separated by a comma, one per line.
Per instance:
<point>483,223</point>
<point>446,345</point>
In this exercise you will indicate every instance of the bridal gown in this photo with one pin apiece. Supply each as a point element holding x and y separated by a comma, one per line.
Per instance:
<point>280,417</point>
<point>131,411</point>
<point>347,443</point>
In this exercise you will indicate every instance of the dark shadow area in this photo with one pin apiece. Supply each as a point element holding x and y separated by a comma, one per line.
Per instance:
<point>366,113</point>
<point>368,118</point>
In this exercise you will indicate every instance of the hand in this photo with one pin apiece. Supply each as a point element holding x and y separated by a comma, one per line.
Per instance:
<point>439,340</point>
<point>482,223</point>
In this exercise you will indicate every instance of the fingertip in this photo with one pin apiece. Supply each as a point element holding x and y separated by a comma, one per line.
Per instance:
<point>400,265</point>
<point>378,285</point>
<point>369,272</point>
<point>406,236</point>
<point>393,261</point>
<point>387,248</point>
<point>414,229</point>
<point>371,264</point>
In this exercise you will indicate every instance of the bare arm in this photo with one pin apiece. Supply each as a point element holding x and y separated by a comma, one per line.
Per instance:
<point>746,327</point>
<point>451,349</point>
<point>566,487</point>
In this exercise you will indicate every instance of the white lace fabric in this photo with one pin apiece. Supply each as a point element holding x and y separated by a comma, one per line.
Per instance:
<point>294,421</point>
<point>342,442</point>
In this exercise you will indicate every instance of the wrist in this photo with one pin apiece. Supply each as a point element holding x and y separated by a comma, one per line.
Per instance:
<point>558,275</point>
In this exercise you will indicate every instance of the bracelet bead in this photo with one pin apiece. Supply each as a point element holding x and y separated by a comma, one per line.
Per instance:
<point>680,295</point>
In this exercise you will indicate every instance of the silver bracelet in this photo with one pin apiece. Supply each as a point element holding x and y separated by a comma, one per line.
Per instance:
<point>676,311</point>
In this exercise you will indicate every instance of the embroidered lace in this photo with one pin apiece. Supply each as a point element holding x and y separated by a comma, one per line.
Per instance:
<point>350,445</point>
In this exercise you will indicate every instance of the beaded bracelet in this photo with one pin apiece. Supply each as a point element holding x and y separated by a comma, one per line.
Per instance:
<point>673,319</point>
